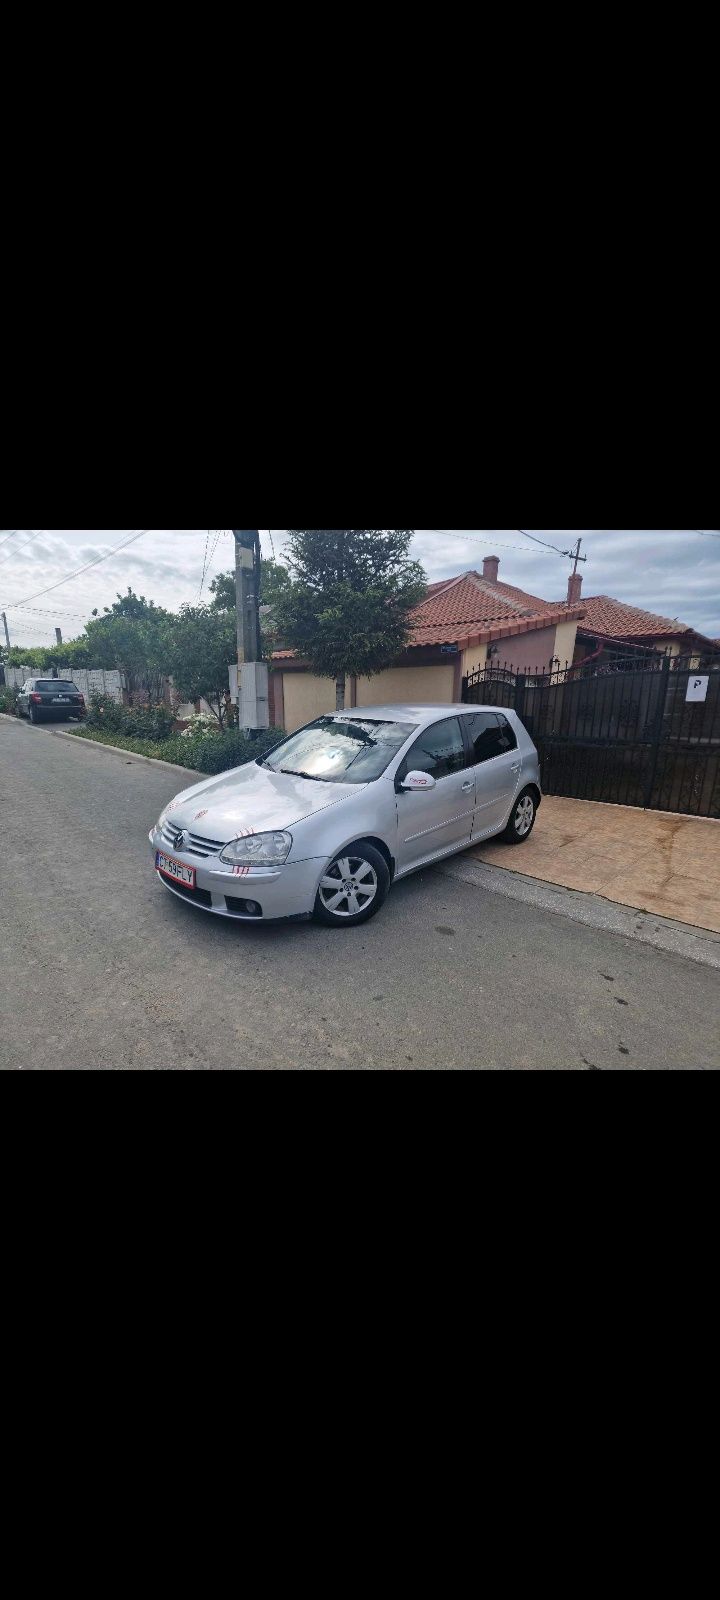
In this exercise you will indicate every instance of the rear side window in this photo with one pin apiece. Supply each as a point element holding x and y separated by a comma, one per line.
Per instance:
<point>490,735</point>
<point>439,750</point>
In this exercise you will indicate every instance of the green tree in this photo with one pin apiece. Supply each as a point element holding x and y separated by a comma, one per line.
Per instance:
<point>274,581</point>
<point>347,609</point>
<point>132,635</point>
<point>201,645</point>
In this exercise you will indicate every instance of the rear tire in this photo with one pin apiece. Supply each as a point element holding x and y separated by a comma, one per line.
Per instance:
<point>353,887</point>
<point>522,819</point>
<point>34,718</point>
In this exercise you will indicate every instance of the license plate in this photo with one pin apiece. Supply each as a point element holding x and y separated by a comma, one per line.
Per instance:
<point>60,700</point>
<point>175,869</point>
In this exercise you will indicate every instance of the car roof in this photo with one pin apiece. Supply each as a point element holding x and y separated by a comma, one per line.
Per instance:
<point>413,713</point>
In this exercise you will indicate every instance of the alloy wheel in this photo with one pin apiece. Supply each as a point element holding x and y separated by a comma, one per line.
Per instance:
<point>349,886</point>
<point>524,816</point>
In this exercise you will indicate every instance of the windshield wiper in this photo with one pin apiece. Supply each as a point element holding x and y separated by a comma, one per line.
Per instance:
<point>289,772</point>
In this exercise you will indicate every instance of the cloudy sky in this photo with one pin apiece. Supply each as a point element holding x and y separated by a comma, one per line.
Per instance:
<point>676,573</point>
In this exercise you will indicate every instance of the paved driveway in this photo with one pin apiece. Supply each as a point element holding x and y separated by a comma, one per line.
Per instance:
<point>100,967</point>
<point>653,860</point>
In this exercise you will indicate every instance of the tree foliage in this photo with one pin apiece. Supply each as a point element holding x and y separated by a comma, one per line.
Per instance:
<point>274,581</point>
<point>132,635</point>
<point>347,609</point>
<point>200,647</point>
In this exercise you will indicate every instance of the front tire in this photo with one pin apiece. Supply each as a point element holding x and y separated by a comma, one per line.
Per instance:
<point>522,819</point>
<point>353,887</point>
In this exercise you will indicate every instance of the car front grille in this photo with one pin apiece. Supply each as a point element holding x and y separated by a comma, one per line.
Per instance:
<point>197,846</point>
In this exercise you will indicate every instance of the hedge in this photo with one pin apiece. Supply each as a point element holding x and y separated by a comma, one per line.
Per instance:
<point>219,753</point>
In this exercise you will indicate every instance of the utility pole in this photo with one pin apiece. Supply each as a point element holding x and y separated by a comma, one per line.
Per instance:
<point>247,576</point>
<point>58,636</point>
<point>7,636</point>
<point>252,675</point>
<point>578,557</point>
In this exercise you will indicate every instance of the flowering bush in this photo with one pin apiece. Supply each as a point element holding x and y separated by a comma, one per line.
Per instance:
<point>201,726</point>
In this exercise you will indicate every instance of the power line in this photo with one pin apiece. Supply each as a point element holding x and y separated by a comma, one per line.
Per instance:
<point>475,538</point>
<point>205,563</point>
<point>546,546</point>
<point>41,611</point>
<point>214,548</point>
<point>11,535</point>
<point>80,570</point>
<point>34,534</point>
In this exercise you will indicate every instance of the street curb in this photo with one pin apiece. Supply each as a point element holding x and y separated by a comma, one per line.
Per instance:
<point>130,755</point>
<point>673,938</point>
<point>115,749</point>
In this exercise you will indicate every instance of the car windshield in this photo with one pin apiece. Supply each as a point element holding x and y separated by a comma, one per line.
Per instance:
<point>341,749</point>
<point>56,686</point>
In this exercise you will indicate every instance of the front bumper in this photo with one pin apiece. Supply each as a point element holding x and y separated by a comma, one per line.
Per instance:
<point>280,892</point>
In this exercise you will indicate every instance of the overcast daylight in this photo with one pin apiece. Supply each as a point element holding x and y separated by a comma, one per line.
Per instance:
<point>493,808</point>
<point>673,572</point>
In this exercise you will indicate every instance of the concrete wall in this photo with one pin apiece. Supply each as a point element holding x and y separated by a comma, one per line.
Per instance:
<point>89,683</point>
<point>306,697</point>
<point>565,636</point>
<point>410,685</point>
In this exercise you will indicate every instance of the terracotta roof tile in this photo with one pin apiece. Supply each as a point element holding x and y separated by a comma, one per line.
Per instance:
<point>464,608</point>
<point>604,615</point>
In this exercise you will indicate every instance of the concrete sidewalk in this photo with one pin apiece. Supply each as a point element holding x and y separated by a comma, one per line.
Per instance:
<point>652,860</point>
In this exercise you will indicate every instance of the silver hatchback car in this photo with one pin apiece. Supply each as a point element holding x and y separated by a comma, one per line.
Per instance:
<point>340,810</point>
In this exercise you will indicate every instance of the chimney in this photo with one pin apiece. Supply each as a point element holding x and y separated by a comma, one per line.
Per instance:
<point>574,589</point>
<point>490,569</point>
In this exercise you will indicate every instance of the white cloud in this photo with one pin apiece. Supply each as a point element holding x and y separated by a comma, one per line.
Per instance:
<point>674,572</point>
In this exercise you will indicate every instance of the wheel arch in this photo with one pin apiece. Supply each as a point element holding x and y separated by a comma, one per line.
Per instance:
<point>377,844</point>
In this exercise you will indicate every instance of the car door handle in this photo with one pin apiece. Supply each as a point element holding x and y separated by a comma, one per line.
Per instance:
<point>516,767</point>
<point>467,786</point>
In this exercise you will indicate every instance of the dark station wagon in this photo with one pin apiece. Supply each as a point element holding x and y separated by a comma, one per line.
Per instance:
<point>50,697</point>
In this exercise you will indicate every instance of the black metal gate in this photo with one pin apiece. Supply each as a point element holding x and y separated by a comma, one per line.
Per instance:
<point>629,733</point>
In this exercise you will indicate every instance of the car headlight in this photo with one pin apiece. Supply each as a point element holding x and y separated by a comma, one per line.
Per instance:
<point>258,849</point>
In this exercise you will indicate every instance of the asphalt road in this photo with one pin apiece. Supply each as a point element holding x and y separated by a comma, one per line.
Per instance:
<point>100,967</point>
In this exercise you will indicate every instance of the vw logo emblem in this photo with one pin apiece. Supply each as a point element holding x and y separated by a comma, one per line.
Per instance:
<point>182,839</point>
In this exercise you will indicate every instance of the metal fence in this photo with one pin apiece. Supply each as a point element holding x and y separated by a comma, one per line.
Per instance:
<point>638,732</point>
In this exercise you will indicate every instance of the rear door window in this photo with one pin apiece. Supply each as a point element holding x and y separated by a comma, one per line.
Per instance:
<point>490,735</point>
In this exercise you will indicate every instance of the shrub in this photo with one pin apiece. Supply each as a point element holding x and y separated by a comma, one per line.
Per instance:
<point>135,722</point>
<point>8,700</point>
<point>207,755</point>
<point>234,748</point>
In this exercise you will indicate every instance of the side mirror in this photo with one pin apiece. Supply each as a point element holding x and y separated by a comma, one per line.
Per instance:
<point>418,780</point>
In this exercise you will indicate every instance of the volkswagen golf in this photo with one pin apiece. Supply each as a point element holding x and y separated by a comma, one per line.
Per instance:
<point>326,822</point>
